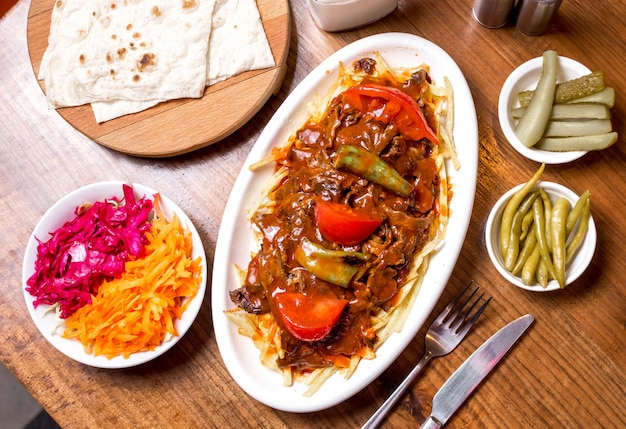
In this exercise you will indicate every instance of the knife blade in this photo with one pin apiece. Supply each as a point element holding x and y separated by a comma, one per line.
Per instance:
<point>468,376</point>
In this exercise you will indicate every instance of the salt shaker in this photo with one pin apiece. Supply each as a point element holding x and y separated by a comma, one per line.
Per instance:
<point>492,13</point>
<point>534,16</point>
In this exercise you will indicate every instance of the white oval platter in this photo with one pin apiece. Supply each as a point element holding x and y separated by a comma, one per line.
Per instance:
<point>235,240</point>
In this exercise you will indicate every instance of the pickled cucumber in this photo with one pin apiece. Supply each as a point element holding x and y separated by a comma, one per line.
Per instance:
<point>585,143</point>
<point>572,111</point>
<point>577,128</point>
<point>606,96</point>
<point>571,89</point>
<point>531,125</point>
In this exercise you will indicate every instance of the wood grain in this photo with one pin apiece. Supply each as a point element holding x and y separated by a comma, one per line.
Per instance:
<point>567,372</point>
<point>181,125</point>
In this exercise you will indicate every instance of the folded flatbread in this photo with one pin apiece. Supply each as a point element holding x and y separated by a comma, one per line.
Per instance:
<point>238,42</point>
<point>124,58</point>
<point>101,50</point>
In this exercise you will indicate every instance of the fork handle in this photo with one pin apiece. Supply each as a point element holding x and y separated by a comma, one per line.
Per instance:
<point>388,405</point>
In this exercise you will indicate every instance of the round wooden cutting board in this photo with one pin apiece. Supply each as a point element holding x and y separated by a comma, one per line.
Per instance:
<point>184,125</point>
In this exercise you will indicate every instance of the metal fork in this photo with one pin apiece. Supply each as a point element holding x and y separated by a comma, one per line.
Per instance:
<point>444,334</point>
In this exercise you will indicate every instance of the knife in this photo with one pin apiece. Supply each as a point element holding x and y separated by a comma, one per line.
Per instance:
<point>462,383</point>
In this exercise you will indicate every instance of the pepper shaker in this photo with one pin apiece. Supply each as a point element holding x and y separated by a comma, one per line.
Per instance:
<point>534,16</point>
<point>492,13</point>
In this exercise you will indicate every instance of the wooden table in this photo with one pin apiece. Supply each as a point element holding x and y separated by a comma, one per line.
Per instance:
<point>568,371</point>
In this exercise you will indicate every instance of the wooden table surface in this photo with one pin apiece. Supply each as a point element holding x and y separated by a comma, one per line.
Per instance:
<point>568,371</point>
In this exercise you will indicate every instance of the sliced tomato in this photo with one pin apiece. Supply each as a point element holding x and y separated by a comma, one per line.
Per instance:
<point>401,109</point>
<point>309,318</point>
<point>344,225</point>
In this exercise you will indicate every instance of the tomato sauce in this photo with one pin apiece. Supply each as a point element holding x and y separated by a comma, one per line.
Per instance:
<point>296,257</point>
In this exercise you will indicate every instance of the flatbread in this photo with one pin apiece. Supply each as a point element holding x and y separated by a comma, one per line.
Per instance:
<point>135,50</point>
<point>238,42</point>
<point>106,110</point>
<point>234,41</point>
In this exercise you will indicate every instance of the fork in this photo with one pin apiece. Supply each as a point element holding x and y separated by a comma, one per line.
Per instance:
<point>444,334</point>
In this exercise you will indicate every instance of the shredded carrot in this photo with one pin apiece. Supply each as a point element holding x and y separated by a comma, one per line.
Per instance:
<point>136,312</point>
<point>340,361</point>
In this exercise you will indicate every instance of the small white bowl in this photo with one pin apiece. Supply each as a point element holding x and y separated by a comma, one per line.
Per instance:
<point>340,15</point>
<point>63,211</point>
<point>575,266</point>
<point>526,77</point>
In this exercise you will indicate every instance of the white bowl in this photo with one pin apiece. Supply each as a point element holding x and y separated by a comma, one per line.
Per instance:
<point>54,218</point>
<point>340,15</point>
<point>526,77</point>
<point>575,266</point>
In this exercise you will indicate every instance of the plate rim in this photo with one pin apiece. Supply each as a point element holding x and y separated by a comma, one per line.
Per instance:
<point>71,348</point>
<point>291,113</point>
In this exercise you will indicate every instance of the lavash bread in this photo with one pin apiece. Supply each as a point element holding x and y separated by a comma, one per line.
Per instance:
<point>138,50</point>
<point>238,42</point>
<point>228,34</point>
<point>106,110</point>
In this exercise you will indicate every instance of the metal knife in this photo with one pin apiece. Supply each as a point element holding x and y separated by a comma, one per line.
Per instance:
<point>462,383</point>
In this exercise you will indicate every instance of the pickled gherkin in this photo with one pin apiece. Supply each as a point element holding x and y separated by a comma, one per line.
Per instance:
<point>586,127</point>
<point>530,127</point>
<point>579,118</point>
<point>606,97</point>
<point>564,144</point>
<point>572,111</point>
<point>572,89</point>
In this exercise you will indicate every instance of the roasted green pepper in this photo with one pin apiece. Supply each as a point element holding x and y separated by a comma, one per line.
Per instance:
<point>370,166</point>
<point>334,266</point>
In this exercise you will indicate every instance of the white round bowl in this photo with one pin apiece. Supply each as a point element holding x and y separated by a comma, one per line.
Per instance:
<point>526,77</point>
<point>63,211</point>
<point>340,15</point>
<point>575,267</point>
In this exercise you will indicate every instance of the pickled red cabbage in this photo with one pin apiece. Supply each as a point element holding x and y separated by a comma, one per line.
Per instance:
<point>91,247</point>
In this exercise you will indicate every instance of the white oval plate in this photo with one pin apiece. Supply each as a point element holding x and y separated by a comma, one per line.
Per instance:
<point>573,269</point>
<point>235,240</point>
<point>526,77</point>
<point>61,212</point>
